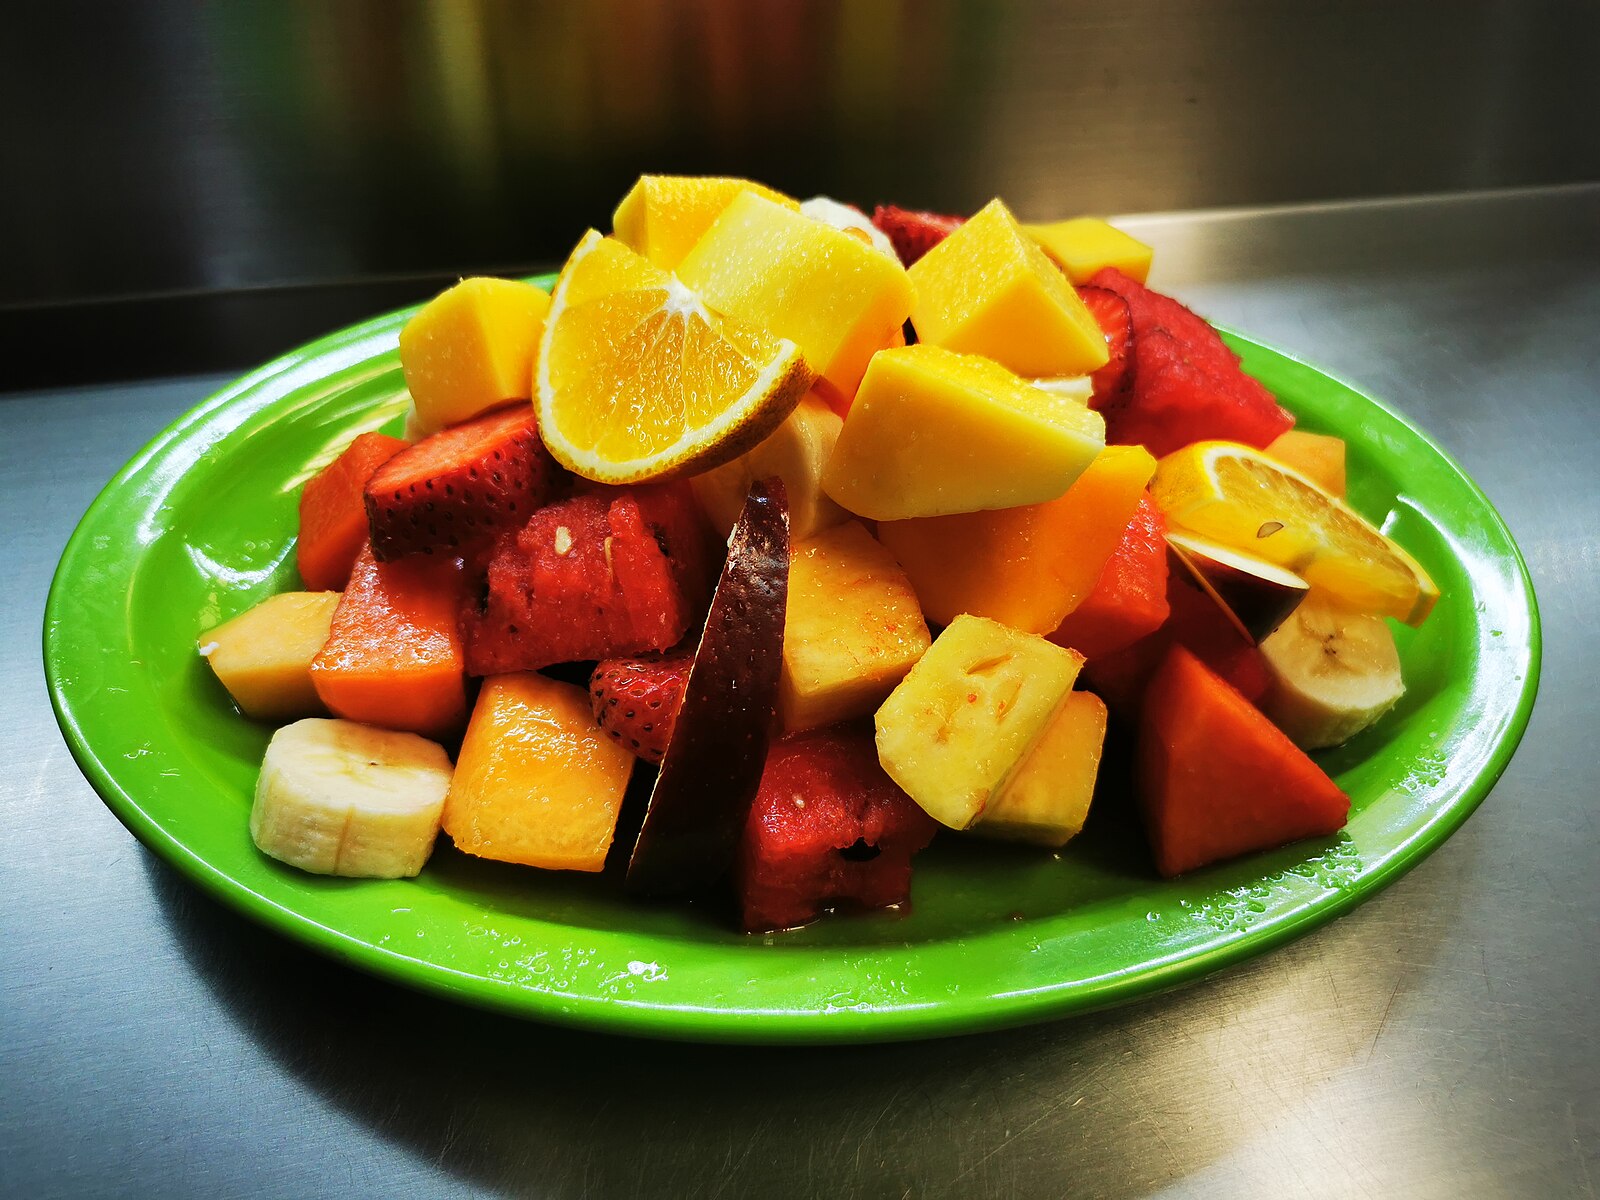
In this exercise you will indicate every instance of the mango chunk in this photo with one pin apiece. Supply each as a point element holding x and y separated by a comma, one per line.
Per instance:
<point>263,656</point>
<point>796,452</point>
<point>536,782</point>
<point>933,432</point>
<point>1086,245</point>
<point>470,348</point>
<point>1046,800</point>
<point>663,216</point>
<point>1027,566</point>
<point>831,294</point>
<point>961,723</point>
<point>853,629</point>
<point>988,289</point>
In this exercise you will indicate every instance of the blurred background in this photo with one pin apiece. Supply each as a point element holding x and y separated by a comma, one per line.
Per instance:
<point>192,185</point>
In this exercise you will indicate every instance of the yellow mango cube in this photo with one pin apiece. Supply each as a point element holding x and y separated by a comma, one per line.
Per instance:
<point>932,432</point>
<point>988,289</point>
<point>1046,800</point>
<point>1086,245</point>
<point>968,714</point>
<point>536,781</point>
<point>831,294</point>
<point>263,656</point>
<point>853,629</point>
<point>663,216</point>
<point>470,348</point>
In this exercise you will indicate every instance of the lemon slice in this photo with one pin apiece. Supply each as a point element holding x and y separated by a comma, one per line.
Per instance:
<point>1245,499</point>
<point>638,380</point>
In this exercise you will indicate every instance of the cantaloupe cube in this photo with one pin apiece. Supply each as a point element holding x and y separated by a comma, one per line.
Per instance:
<point>663,216</point>
<point>1028,566</point>
<point>1318,456</point>
<point>831,294</point>
<point>933,432</point>
<point>263,656</point>
<point>536,782</point>
<point>988,289</point>
<point>968,714</point>
<point>853,629</point>
<point>1046,800</point>
<point>470,348</point>
<point>1085,245</point>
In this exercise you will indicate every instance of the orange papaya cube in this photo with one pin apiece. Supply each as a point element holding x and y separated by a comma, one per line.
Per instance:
<point>1025,567</point>
<point>470,348</point>
<point>1216,779</point>
<point>988,289</point>
<point>263,656</point>
<point>1086,245</point>
<point>663,216</point>
<point>853,629</point>
<point>1317,456</point>
<point>333,512</point>
<point>1046,799</point>
<point>393,656</point>
<point>536,782</point>
<point>1129,599</point>
<point>833,295</point>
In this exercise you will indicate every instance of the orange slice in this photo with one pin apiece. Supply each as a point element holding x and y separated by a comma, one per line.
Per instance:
<point>638,380</point>
<point>1245,499</point>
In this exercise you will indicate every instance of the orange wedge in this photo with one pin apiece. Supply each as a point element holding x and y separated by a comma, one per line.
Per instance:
<point>638,380</point>
<point>1250,501</point>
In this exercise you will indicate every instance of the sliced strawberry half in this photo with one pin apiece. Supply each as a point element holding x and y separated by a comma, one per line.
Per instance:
<point>913,232</point>
<point>456,490</point>
<point>1110,312</point>
<point>636,700</point>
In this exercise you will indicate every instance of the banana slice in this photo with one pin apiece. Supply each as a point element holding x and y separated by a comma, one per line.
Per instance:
<point>850,219</point>
<point>338,798</point>
<point>1334,672</point>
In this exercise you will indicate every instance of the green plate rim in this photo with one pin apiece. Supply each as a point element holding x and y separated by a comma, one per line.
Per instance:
<point>968,1013</point>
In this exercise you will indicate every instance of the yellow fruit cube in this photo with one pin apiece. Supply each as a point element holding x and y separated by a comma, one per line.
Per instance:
<point>472,347</point>
<point>853,629</point>
<point>988,289</point>
<point>967,716</point>
<point>1046,800</point>
<point>536,782</point>
<point>663,216</point>
<point>263,656</point>
<point>1085,245</point>
<point>831,294</point>
<point>796,453</point>
<point>932,432</point>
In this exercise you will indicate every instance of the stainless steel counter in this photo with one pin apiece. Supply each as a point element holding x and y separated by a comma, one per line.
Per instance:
<point>1440,1041</point>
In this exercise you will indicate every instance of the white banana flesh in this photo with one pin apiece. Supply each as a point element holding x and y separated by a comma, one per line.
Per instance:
<point>846,217</point>
<point>1334,672</point>
<point>338,798</point>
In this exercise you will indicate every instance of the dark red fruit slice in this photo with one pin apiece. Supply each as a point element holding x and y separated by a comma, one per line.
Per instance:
<point>912,232</point>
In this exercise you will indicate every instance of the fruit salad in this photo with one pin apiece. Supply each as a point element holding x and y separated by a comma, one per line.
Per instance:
<point>778,539</point>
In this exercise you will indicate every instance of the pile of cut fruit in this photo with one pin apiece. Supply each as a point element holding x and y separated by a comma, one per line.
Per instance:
<point>808,534</point>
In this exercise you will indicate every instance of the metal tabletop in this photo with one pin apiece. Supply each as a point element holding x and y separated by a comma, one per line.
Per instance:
<point>1439,1041</point>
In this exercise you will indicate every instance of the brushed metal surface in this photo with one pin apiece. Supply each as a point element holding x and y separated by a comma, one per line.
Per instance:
<point>171,146</point>
<point>1438,1042</point>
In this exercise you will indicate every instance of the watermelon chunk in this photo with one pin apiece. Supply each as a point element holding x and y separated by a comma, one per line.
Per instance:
<point>828,827</point>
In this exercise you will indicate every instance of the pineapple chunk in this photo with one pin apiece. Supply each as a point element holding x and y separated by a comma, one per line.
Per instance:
<point>1046,800</point>
<point>988,289</point>
<point>663,216</point>
<point>796,452</point>
<point>853,629</point>
<point>961,723</point>
<point>263,656</point>
<point>1086,245</point>
<point>470,348</point>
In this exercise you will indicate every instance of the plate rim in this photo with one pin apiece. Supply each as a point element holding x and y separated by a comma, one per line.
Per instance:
<point>356,343</point>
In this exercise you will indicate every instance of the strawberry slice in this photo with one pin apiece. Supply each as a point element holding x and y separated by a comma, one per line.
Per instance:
<point>636,700</point>
<point>1110,311</point>
<point>913,232</point>
<point>455,491</point>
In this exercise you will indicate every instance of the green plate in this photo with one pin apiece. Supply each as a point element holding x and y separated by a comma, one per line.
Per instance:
<point>200,526</point>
